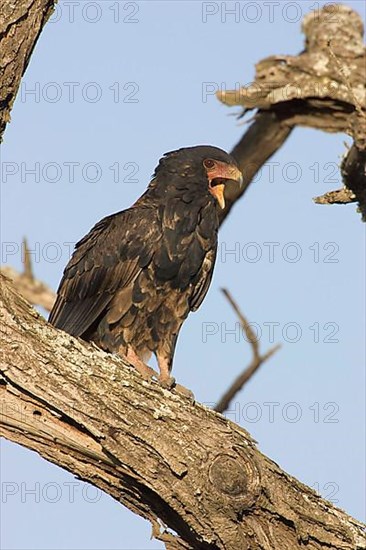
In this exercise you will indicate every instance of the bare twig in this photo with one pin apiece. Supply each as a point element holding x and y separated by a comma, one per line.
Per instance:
<point>254,365</point>
<point>27,261</point>
<point>36,292</point>
<point>340,196</point>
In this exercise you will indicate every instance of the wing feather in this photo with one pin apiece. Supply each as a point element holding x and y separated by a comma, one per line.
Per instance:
<point>202,285</point>
<point>106,260</point>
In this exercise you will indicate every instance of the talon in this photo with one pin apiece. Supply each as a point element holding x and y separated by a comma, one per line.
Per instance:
<point>167,382</point>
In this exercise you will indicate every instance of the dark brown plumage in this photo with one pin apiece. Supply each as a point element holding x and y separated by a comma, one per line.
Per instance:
<point>136,275</point>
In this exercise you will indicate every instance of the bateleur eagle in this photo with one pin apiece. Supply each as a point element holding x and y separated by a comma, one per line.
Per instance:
<point>133,279</point>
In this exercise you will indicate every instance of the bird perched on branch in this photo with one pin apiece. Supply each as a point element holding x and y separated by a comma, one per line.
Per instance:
<point>133,279</point>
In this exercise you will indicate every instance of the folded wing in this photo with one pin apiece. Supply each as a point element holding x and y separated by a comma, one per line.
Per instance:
<point>106,260</point>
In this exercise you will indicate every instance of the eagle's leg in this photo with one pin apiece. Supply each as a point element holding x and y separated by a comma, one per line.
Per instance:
<point>165,366</point>
<point>145,371</point>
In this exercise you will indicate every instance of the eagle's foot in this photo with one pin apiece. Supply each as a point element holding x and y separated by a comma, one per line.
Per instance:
<point>167,382</point>
<point>146,372</point>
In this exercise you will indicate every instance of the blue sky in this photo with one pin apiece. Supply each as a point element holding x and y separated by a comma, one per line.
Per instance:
<point>100,103</point>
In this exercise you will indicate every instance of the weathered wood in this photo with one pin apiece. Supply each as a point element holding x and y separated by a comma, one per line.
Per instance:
<point>21,23</point>
<point>152,449</point>
<point>323,88</point>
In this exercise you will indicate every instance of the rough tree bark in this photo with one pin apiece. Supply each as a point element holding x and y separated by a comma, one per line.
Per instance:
<point>322,88</point>
<point>152,449</point>
<point>21,23</point>
<point>165,458</point>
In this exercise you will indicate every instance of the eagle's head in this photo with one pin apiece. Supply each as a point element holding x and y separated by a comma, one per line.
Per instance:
<point>196,171</point>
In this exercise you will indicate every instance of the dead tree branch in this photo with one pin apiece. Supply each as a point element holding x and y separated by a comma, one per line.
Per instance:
<point>321,88</point>
<point>150,448</point>
<point>256,362</point>
<point>21,23</point>
<point>33,290</point>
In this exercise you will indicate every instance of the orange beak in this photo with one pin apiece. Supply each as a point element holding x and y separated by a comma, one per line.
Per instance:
<point>217,178</point>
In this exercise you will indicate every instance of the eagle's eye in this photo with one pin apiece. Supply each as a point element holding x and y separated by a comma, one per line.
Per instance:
<point>209,163</point>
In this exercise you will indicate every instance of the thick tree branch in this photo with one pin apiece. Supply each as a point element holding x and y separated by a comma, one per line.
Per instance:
<point>150,448</point>
<point>321,88</point>
<point>38,294</point>
<point>21,23</point>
